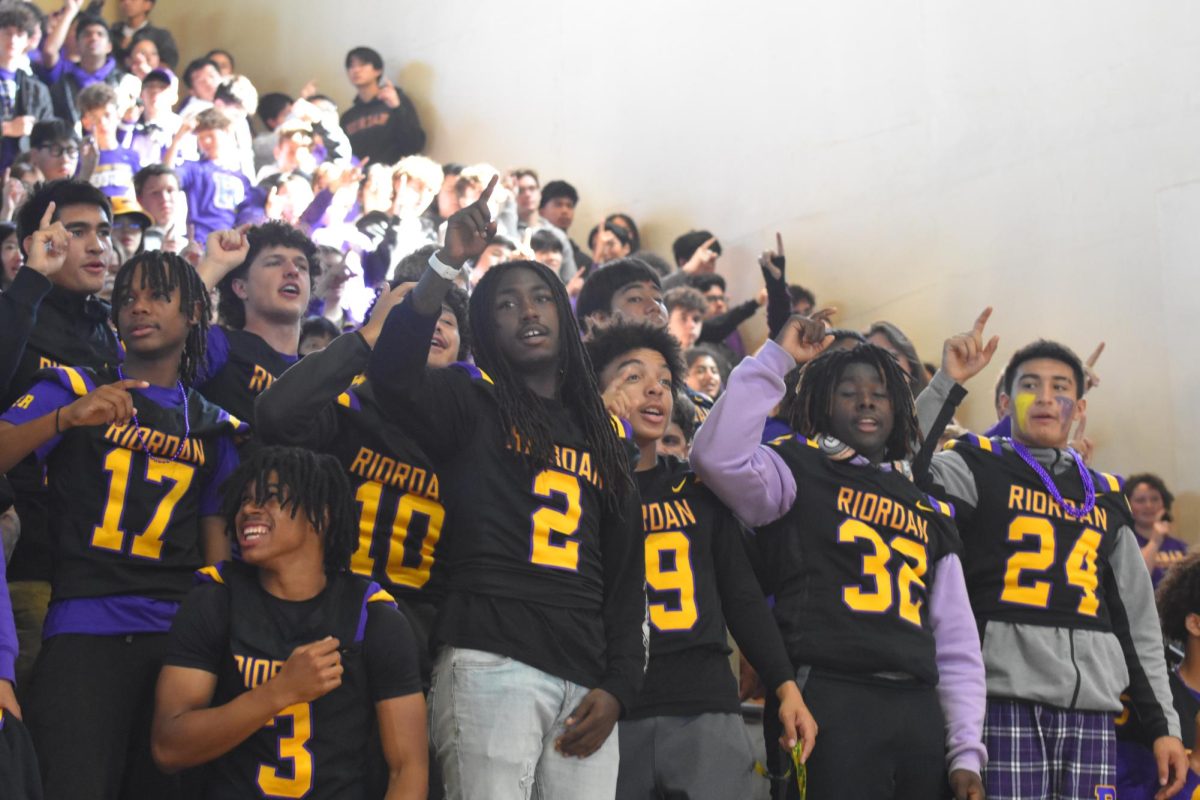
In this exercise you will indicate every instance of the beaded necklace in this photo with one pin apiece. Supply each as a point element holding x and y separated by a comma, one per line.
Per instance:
<point>187,425</point>
<point>1069,508</point>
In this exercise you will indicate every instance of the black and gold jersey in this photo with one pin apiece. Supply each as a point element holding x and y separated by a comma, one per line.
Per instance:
<point>698,581</point>
<point>1025,560</point>
<point>312,750</point>
<point>241,365</point>
<point>398,498</point>
<point>125,512</point>
<point>849,563</point>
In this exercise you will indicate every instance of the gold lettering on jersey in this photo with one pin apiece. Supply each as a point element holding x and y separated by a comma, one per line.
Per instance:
<point>568,459</point>
<point>46,363</point>
<point>373,466</point>
<point>671,515</point>
<point>24,402</point>
<point>256,671</point>
<point>881,511</point>
<point>156,443</point>
<point>1034,501</point>
<point>260,380</point>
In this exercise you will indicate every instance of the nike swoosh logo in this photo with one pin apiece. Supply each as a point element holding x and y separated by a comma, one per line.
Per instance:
<point>924,507</point>
<point>679,488</point>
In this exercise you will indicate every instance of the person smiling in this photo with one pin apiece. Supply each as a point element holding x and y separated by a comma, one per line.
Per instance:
<point>1058,585</point>
<point>289,707</point>
<point>869,591</point>
<point>540,632</point>
<point>134,461</point>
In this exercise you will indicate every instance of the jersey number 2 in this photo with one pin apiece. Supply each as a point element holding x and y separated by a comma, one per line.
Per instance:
<point>109,535</point>
<point>552,532</point>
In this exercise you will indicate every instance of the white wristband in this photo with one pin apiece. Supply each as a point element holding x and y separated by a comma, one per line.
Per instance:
<point>444,270</point>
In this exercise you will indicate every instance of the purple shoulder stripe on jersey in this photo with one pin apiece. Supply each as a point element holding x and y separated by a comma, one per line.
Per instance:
<point>239,426</point>
<point>473,371</point>
<point>211,574</point>
<point>774,428</point>
<point>374,594</point>
<point>118,615</point>
<point>74,380</point>
<point>349,399</point>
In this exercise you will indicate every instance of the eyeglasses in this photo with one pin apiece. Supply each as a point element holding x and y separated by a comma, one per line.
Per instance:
<point>57,151</point>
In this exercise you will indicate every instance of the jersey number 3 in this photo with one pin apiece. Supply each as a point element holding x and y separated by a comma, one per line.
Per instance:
<point>291,749</point>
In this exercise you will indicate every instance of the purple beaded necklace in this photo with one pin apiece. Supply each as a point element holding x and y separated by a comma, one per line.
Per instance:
<point>187,425</point>
<point>1069,508</point>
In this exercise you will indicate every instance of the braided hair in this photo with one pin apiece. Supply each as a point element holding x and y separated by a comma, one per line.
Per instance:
<point>812,411</point>
<point>165,272</point>
<point>521,412</point>
<point>310,483</point>
<point>1179,595</point>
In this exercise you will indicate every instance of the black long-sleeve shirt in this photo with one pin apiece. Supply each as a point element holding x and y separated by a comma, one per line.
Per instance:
<point>541,568</point>
<point>383,134</point>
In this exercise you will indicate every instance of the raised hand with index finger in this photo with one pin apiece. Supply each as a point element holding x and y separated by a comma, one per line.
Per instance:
<point>469,229</point>
<point>965,355</point>
<point>46,249</point>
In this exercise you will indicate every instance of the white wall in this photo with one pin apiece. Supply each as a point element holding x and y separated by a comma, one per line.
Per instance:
<point>923,159</point>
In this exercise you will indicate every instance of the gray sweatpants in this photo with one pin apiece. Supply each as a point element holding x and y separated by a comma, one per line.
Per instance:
<point>704,757</point>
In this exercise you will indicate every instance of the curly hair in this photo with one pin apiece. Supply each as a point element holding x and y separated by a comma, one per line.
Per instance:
<point>273,233</point>
<point>609,342</point>
<point>310,483</point>
<point>1179,595</point>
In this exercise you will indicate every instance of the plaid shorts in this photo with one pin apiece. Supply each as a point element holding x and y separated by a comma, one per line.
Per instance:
<point>1036,752</point>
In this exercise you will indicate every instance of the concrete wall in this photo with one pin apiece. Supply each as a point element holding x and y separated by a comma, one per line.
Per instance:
<point>922,159</point>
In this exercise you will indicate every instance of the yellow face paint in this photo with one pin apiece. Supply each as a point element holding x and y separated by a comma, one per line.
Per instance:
<point>1021,405</point>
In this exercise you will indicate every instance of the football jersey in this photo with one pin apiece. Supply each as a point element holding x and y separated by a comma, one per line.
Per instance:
<point>1025,560</point>
<point>545,563</point>
<point>72,331</point>
<point>312,750</point>
<point>397,496</point>
<point>697,575</point>
<point>240,367</point>
<point>850,561</point>
<point>124,522</point>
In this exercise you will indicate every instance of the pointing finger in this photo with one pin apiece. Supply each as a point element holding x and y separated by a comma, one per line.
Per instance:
<point>824,315</point>
<point>49,215</point>
<point>778,244</point>
<point>1095,356</point>
<point>981,322</point>
<point>487,193</point>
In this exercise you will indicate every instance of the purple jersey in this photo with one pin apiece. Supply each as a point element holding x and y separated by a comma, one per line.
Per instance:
<point>213,194</point>
<point>115,170</point>
<point>1170,552</point>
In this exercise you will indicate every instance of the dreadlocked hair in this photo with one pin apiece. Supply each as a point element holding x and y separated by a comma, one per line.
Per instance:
<point>1179,595</point>
<point>521,412</point>
<point>812,411</point>
<point>165,272</point>
<point>310,483</point>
